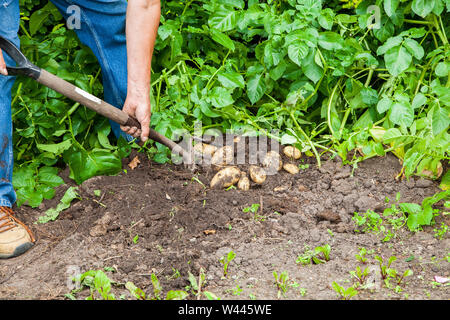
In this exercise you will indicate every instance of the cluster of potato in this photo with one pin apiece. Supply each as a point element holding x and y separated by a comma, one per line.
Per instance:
<point>227,176</point>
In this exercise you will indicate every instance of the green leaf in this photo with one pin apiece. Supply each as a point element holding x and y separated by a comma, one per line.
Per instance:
<point>220,97</point>
<point>390,6</point>
<point>411,208</point>
<point>192,281</point>
<point>442,69</point>
<point>390,43</point>
<point>402,114</point>
<point>445,182</point>
<point>326,18</point>
<point>384,105</point>
<point>222,39</point>
<point>330,40</point>
<point>231,80</point>
<point>256,87</point>
<point>56,148</point>
<point>87,164</point>
<point>419,100</point>
<point>176,295</point>
<point>369,96</point>
<point>157,289</point>
<point>391,135</point>
<point>287,139</point>
<point>49,177</point>
<point>397,60</point>
<point>206,110</point>
<point>423,7</point>
<point>135,291</point>
<point>103,285</point>
<point>23,177</point>
<point>414,48</point>
<point>310,68</point>
<point>297,51</point>
<point>223,19</point>
<point>210,296</point>
<point>440,120</point>
<point>53,213</point>
<point>38,18</point>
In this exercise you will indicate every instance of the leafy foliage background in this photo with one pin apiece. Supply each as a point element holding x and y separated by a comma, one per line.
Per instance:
<point>315,70</point>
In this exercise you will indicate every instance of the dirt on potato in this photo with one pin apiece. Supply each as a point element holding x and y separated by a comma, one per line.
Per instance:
<point>165,219</point>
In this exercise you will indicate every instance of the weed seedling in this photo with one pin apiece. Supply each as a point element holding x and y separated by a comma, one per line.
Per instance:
<point>236,291</point>
<point>175,275</point>
<point>302,291</point>
<point>371,221</point>
<point>439,233</point>
<point>157,290</point>
<point>405,274</point>
<point>198,181</point>
<point>97,282</point>
<point>306,257</point>
<point>385,270</point>
<point>345,294</point>
<point>317,256</point>
<point>330,232</point>
<point>360,275</point>
<point>324,250</point>
<point>281,282</point>
<point>254,209</point>
<point>135,291</point>
<point>361,256</point>
<point>225,260</point>
<point>196,286</point>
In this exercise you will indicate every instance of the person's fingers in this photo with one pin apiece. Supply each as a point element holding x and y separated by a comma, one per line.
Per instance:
<point>145,131</point>
<point>3,69</point>
<point>132,131</point>
<point>125,128</point>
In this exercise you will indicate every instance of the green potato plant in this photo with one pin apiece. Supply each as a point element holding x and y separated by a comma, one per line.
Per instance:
<point>318,72</point>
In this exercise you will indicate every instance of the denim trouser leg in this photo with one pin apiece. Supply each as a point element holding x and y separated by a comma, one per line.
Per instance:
<point>103,30</point>
<point>9,26</point>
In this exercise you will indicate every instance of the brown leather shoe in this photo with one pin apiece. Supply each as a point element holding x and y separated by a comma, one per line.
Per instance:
<point>15,237</point>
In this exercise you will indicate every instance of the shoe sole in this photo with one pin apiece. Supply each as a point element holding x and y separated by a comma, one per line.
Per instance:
<point>19,251</point>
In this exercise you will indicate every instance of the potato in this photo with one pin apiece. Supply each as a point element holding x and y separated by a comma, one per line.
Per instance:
<point>244,182</point>
<point>292,152</point>
<point>291,168</point>
<point>223,156</point>
<point>226,177</point>
<point>257,174</point>
<point>207,150</point>
<point>272,161</point>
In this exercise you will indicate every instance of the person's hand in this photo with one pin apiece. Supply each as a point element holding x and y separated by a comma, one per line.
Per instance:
<point>138,106</point>
<point>3,70</point>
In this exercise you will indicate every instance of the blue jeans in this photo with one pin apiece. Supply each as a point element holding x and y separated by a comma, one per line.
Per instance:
<point>102,30</point>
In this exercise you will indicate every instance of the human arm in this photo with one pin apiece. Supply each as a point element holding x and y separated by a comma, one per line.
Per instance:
<point>143,17</point>
<point>3,70</point>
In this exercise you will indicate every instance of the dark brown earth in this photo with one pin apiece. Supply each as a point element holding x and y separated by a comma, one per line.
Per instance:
<point>184,225</point>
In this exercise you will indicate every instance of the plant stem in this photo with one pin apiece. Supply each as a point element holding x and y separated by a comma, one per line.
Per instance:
<point>418,22</point>
<point>344,120</point>
<point>330,102</point>
<point>307,139</point>
<point>440,32</point>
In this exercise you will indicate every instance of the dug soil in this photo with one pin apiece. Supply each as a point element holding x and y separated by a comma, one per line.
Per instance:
<point>165,220</point>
